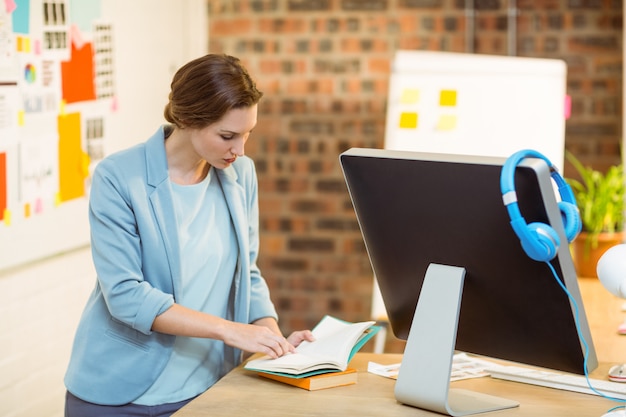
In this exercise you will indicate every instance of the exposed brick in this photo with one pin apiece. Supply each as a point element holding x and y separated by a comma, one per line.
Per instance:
<point>364,5</point>
<point>337,224</point>
<point>287,264</point>
<point>309,5</point>
<point>324,68</point>
<point>591,130</point>
<point>311,244</point>
<point>325,186</point>
<point>593,43</point>
<point>421,4</point>
<point>232,27</point>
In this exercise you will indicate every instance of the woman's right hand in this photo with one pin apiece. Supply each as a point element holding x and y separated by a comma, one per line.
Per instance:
<point>257,339</point>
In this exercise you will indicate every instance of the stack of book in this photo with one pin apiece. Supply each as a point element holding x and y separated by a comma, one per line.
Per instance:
<point>322,363</point>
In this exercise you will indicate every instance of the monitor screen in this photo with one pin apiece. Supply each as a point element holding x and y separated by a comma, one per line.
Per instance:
<point>415,209</point>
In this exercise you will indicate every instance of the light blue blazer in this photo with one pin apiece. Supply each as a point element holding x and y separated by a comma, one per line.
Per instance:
<point>134,239</point>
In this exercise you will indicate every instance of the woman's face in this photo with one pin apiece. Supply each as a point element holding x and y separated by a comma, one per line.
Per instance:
<point>222,142</point>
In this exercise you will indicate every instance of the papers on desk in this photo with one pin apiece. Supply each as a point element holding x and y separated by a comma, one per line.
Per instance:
<point>463,367</point>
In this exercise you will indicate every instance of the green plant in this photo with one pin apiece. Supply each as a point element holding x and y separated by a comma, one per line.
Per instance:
<point>600,198</point>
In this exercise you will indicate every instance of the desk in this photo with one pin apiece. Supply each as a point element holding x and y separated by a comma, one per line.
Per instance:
<point>242,393</point>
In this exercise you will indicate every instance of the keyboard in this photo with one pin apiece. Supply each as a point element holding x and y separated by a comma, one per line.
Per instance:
<point>553,379</point>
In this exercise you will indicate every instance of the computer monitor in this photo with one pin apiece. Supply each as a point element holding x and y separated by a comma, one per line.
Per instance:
<point>436,230</point>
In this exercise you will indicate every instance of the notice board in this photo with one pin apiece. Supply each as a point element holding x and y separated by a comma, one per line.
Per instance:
<point>79,79</point>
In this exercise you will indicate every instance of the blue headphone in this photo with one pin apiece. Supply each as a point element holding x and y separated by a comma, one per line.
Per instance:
<point>539,240</point>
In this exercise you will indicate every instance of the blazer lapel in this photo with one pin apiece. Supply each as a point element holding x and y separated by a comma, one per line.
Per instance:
<point>163,205</point>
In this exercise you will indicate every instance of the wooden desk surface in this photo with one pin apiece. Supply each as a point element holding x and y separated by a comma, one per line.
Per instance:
<point>242,393</point>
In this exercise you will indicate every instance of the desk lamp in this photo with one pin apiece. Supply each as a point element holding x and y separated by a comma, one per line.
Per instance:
<point>611,270</point>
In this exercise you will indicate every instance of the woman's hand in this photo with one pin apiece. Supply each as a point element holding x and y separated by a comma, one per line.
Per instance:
<point>299,336</point>
<point>255,338</point>
<point>262,336</point>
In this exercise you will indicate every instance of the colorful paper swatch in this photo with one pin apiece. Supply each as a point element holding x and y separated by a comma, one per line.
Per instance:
<point>410,96</point>
<point>447,98</point>
<point>71,158</point>
<point>408,120</point>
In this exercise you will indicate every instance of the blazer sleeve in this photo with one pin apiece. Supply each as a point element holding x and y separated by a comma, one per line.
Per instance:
<point>116,247</point>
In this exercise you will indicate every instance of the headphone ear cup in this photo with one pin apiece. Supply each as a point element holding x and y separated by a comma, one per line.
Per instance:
<point>571,220</point>
<point>543,242</point>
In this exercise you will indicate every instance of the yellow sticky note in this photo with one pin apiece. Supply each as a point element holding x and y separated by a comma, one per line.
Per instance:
<point>57,199</point>
<point>20,118</point>
<point>86,160</point>
<point>7,217</point>
<point>62,108</point>
<point>408,120</point>
<point>27,210</point>
<point>19,44</point>
<point>410,96</point>
<point>447,98</point>
<point>71,158</point>
<point>446,122</point>
<point>26,45</point>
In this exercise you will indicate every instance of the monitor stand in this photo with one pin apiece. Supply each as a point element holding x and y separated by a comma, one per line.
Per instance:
<point>424,377</point>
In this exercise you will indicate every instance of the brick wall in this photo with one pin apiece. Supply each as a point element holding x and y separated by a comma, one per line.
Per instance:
<point>324,67</point>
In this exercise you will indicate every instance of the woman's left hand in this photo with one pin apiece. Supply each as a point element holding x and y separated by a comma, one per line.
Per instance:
<point>299,336</point>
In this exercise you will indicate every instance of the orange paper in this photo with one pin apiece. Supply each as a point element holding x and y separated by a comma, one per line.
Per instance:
<point>77,75</point>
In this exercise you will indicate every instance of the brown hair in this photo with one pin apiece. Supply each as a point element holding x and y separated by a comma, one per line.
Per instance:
<point>204,89</point>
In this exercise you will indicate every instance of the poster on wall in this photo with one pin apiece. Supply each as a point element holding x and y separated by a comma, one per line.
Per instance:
<point>56,91</point>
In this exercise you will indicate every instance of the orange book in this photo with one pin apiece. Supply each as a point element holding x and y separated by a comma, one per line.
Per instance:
<point>315,382</point>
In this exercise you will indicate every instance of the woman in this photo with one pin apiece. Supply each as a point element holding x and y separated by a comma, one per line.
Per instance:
<point>174,226</point>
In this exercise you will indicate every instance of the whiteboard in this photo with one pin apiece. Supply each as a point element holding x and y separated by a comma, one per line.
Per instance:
<point>474,104</point>
<point>145,56</point>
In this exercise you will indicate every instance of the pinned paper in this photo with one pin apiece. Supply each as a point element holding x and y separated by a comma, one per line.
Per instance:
<point>10,6</point>
<point>71,158</point>
<point>76,37</point>
<point>38,206</point>
<point>408,120</point>
<point>568,106</point>
<point>6,216</point>
<point>77,75</point>
<point>27,210</point>
<point>447,98</point>
<point>20,118</point>
<point>20,16</point>
<point>410,96</point>
<point>446,122</point>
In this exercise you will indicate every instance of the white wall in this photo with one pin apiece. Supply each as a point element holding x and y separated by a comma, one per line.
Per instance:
<point>40,303</point>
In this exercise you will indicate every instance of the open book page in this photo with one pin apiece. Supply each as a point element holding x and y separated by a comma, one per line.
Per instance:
<point>332,349</point>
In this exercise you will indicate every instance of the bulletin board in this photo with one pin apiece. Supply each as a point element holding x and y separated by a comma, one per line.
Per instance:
<point>79,79</point>
<point>56,91</point>
<point>476,104</point>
